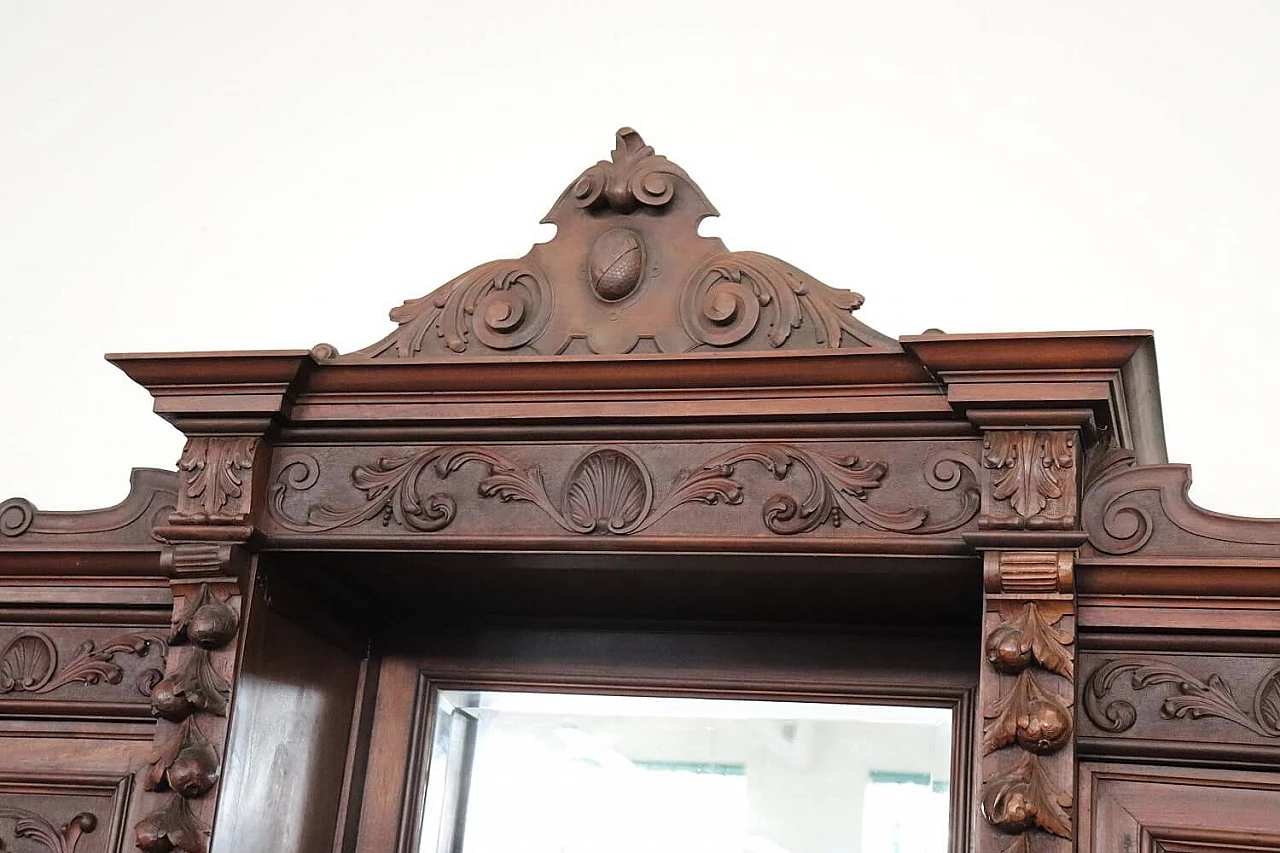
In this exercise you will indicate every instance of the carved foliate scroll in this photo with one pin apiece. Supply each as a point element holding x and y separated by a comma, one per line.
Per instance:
<point>627,272</point>
<point>1027,694</point>
<point>615,491</point>
<point>192,699</point>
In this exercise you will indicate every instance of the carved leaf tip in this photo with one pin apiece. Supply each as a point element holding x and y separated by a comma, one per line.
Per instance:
<point>630,145</point>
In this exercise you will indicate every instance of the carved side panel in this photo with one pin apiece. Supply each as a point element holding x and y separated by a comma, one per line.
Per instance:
<point>1026,771</point>
<point>192,700</point>
<point>1030,480</point>
<point>62,813</point>
<point>766,490</point>
<point>1131,808</point>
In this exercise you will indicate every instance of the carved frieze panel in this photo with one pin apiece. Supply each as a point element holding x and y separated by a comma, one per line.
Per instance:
<point>62,812</point>
<point>626,272</point>
<point>1180,698</point>
<point>766,490</point>
<point>64,664</point>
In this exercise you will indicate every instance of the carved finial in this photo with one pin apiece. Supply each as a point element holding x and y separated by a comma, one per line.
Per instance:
<point>627,272</point>
<point>635,176</point>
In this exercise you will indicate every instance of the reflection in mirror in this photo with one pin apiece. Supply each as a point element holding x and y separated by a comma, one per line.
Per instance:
<point>516,772</point>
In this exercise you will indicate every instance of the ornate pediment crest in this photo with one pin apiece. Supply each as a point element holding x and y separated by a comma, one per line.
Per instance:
<point>627,272</point>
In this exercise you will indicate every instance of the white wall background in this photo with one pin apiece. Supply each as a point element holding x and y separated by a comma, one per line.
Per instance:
<point>218,175</point>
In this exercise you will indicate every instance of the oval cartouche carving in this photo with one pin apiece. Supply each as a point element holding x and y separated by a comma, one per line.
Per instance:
<point>607,491</point>
<point>616,264</point>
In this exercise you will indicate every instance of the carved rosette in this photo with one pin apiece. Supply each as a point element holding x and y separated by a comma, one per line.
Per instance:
<point>192,703</point>
<point>1027,689</point>
<point>1031,480</point>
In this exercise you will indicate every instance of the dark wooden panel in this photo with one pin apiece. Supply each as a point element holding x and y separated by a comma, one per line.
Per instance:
<point>283,783</point>
<point>1142,809</point>
<point>63,812</point>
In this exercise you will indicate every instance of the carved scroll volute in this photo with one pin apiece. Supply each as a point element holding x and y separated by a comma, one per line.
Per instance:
<point>193,698</point>
<point>1030,479</point>
<point>1027,765</point>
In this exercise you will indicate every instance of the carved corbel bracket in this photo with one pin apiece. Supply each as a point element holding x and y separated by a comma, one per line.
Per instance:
<point>220,486</point>
<point>1027,690</point>
<point>193,698</point>
<point>1030,479</point>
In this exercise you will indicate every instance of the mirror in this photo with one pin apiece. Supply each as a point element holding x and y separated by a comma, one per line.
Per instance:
<point>514,772</point>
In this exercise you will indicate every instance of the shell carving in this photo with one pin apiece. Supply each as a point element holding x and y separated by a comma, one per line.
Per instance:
<point>616,264</point>
<point>28,663</point>
<point>607,491</point>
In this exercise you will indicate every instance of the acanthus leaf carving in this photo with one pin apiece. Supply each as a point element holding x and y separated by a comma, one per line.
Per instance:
<point>1025,797</point>
<point>28,824</point>
<point>30,662</point>
<point>1105,459</point>
<point>1029,716</point>
<point>503,304</point>
<point>1030,632</point>
<point>1195,698</point>
<point>723,302</point>
<point>175,827</point>
<point>610,491</point>
<point>633,175</point>
<point>1034,473</point>
<point>214,472</point>
<point>207,621</point>
<point>185,762</point>
<point>194,686</point>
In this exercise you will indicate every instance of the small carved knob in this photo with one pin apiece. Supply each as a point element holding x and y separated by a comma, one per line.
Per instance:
<point>212,625</point>
<point>169,699</point>
<point>1010,808</point>
<point>151,837</point>
<point>1044,727</point>
<point>194,771</point>
<point>1006,650</point>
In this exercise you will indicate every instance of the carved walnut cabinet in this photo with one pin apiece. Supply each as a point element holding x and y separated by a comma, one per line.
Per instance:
<point>634,461</point>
